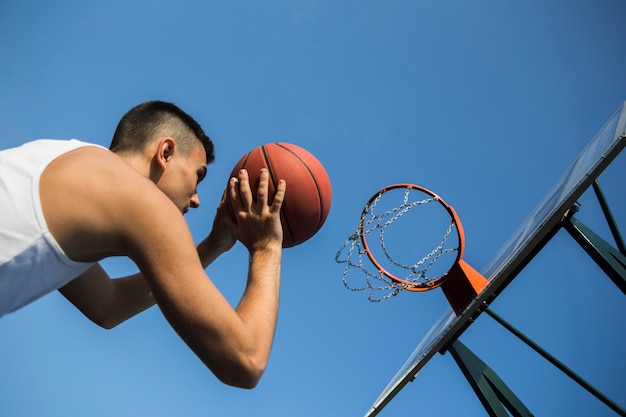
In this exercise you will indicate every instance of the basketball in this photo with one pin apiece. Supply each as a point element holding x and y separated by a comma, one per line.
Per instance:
<point>309,193</point>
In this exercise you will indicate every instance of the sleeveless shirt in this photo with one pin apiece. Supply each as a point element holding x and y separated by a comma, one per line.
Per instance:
<point>32,263</point>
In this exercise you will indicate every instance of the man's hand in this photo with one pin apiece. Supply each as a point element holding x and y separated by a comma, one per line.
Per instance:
<point>257,224</point>
<point>221,239</point>
<point>221,235</point>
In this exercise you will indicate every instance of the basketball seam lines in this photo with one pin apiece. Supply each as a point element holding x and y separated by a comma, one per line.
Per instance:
<point>319,193</point>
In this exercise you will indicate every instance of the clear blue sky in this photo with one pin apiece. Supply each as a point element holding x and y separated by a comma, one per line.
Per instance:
<point>485,102</point>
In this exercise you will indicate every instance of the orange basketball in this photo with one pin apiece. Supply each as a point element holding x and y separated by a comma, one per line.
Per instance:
<point>309,193</point>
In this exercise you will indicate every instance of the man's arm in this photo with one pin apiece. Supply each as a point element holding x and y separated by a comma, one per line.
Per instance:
<point>109,302</point>
<point>114,211</point>
<point>234,343</point>
<point>105,301</point>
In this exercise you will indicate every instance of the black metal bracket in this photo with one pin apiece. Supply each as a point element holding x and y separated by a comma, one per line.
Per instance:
<point>492,392</point>
<point>610,259</point>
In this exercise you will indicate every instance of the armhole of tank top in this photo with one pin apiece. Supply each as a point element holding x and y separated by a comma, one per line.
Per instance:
<point>40,218</point>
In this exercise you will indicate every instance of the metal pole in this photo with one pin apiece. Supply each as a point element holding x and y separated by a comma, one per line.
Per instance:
<point>557,363</point>
<point>609,217</point>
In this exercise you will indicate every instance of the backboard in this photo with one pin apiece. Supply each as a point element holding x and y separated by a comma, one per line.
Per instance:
<point>531,236</point>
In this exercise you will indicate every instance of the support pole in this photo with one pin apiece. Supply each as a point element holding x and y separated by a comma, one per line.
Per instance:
<point>591,389</point>
<point>612,262</point>
<point>492,392</point>
<point>609,218</point>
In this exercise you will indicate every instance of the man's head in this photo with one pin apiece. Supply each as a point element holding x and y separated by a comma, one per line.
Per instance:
<point>153,120</point>
<point>171,145</point>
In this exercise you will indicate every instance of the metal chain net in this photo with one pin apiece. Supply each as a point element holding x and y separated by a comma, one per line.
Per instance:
<point>380,286</point>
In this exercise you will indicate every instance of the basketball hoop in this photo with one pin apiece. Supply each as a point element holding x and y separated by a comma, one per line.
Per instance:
<point>407,256</point>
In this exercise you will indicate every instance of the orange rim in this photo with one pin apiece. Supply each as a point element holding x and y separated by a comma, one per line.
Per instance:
<point>414,286</point>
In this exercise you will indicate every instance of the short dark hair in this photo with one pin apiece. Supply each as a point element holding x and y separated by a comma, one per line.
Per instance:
<point>152,119</point>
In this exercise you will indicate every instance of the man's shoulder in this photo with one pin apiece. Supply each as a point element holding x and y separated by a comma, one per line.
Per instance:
<point>87,154</point>
<point>101,171</point>
<point>92,197</point>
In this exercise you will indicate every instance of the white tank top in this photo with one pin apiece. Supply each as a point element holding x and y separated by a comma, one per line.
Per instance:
<point>32,263</point>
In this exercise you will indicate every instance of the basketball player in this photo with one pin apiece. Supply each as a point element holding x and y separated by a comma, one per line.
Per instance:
<point>65,205</point>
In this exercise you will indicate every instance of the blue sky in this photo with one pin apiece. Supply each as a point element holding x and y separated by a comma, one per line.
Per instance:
<point>484,102</point>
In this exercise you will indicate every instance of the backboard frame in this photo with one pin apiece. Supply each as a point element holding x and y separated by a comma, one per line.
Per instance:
<point>531,236</point>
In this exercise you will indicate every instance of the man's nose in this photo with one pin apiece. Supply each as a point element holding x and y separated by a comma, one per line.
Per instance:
<point>195,201</point>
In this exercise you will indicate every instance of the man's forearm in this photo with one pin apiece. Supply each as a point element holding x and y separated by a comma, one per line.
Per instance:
<point>209,252</point>
<point>258,307</point>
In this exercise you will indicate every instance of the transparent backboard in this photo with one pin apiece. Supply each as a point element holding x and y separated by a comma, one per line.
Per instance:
<point>516,253</point>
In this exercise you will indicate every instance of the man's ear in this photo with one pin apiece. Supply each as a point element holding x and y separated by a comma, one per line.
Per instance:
<point>165,151</point>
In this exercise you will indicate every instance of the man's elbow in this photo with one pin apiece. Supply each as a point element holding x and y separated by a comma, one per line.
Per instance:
<point>103,318</point>
<point>240,381</point>
<point>104,322</point>
<point>243,374</point>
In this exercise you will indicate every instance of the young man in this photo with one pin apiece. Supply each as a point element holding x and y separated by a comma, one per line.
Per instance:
<point>65,205</point>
